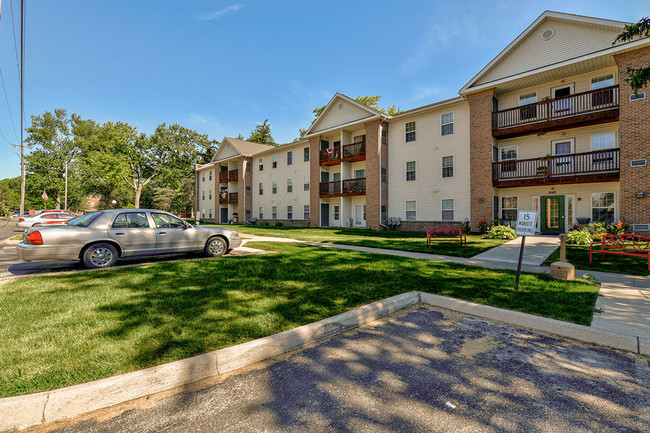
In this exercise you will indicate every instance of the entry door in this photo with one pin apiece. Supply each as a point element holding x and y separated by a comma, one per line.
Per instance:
<point>552,218</point>
<point>324,215</point>
<point>224,215</point>
<point>562,104</point>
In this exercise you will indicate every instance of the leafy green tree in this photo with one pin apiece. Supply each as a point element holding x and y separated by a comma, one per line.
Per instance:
<point>163,198</point>
<point>262,134</point>
<point>10,193</point>
<point>636,77</point>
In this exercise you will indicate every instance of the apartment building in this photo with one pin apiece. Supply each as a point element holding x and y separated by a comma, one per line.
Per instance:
<point>550,124</point>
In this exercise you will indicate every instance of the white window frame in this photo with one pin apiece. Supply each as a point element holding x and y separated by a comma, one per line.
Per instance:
<point>591,213</point>
<point>210,175</point>
<point>305,154</point>
<point>506,149</point>
<point>261,213</point>
<point>290,157</point>
<point>337,212</point>
<point>289,185</point>
<point>530,98</point>
<point>274,212</point>
<point>442,163</point>
<point>261,164</point>
<point>274,161</point>
<point>261,189</point>
<point>443,210</point>
<point>414,171</point>
<point>306,212</point>
<point>408,131</point>
<point>601,79</point>
<point>509,208</point>
<point>413,216</point>
<point>274,187</point>
<point>305,183</point>
<point>443,123</point>
<point>612,134</point>
<point>289,212</point>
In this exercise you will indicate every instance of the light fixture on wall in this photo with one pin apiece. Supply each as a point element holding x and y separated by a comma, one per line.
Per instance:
<point>639,194</point>
<point>481,200</point>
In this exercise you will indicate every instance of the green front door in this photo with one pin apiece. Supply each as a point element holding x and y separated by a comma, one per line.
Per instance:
<point>552,217</point>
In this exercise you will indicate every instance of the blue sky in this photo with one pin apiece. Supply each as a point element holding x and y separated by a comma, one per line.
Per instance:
<point>221,67</point>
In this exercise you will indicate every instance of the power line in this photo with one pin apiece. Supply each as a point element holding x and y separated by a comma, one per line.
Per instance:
<point>3,136</point>
<point>8,107</point>
<point>13,26</point>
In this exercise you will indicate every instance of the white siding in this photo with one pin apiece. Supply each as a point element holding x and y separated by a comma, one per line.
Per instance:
<point>340,112</point>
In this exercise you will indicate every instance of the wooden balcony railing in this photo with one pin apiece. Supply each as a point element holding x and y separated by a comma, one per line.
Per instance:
<point>354,186</point>
<point>577,105</point>
<point>354,150</point>
<point>330,188</point>
<point>223,176</point>
<point>228,197</point>
<point>230,175</point>
<point>330,155</point>
<point>595,166</point>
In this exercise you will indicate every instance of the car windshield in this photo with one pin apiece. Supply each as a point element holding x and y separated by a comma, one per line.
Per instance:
<point>84,220</point>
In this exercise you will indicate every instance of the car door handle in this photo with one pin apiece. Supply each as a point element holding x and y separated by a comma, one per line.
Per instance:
<point>119,234</point>
<point>162,233</point>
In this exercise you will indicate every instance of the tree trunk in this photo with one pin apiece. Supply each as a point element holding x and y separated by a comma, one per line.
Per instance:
<point>57,203</point>
<point>138,192</point>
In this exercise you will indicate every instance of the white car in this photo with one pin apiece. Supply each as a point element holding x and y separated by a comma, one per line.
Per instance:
<point>43,218</point>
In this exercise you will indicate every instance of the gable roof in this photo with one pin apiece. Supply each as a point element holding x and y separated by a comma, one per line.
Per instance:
<point>359,112</point>
<point>240,147</point>
<point>603,33</point>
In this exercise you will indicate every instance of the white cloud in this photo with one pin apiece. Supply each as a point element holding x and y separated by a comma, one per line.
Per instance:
<point>218,14</point>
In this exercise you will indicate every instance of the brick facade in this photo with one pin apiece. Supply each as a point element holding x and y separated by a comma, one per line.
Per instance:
<point>373,173</point>
<point>480,136</point>
<point>314,181</point>
<point>634,139</point>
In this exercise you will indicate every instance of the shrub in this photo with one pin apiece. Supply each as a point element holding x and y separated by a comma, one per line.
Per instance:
<point>596,228</point>
<point>501,232</point>
<point>578,237</point>
<point>264,224</point>
<point>483,226</point>
<point>597,237</point>
<point>278,224</point>
<point>616,229</point>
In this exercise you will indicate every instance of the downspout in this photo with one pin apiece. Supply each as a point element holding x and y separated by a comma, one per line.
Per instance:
<point>380,145</point>
<point>243,166</point>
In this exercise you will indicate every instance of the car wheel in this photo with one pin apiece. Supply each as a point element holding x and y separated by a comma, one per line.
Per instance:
<point>99,256</point>
<point>215,247</point>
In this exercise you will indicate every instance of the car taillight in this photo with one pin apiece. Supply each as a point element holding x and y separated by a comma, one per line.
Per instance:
<point>21,219</point>
<point>35,238</point>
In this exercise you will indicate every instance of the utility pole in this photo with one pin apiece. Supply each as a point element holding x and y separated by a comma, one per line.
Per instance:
<point>22,107</point>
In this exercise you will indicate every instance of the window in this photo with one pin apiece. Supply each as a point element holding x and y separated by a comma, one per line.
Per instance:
<point>248,166</point>
<point>601,142</point>
<point>261,191</point>
<point>604,81</point>
<point>447,166</point>
<point>305,184</point>
<point>384,175</point>
<point>508,154</point>
<point>210,176</point>
<point>210,215</point>
<point>602,207</point>
<point>260,213</point>
<point>447,123</point>
<point>248,214</point>
<point>410,210</point>
<point>359,138</point>
<point>289,185</point>
<point>605,96</point>
<point>306,212</point>
<point>289,158</point>
<point>274,187</point>
<point>358,174</point>
<point>261,164</point>
<point>248,190</point>
<point>448,209</point>
<point>274,212</point>
<point>410,170</point>
<point>306,153</point>
<point>337,213</point>
<point>289,212</point>
<point>509,208</point>
<point>202,195</point>
<point>274,161</point>
<point>528,98</point>
<point>528,105</point>
<point>132,220</point>
<point>210,194</point>
<point>384,136</point>
<point>167,221</point>
<point>203,178</point>
<point>410,131</point>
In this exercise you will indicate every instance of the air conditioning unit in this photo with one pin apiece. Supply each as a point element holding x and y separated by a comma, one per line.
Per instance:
<point>350,222</point>
<point>638,96</point>
<point>641,227</point>
<point>638,162</point>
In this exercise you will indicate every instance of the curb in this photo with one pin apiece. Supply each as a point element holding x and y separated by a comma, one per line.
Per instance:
<point>17,413</point>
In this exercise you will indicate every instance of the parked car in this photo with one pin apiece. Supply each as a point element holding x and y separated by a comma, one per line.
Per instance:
<point>99,239</point>
<point>46,217</point>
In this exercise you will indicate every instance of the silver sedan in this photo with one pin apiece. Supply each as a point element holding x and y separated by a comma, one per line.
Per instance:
<point>101,238</point>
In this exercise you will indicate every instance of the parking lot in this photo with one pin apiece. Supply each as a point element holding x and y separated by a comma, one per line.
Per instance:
<point>420,370</point>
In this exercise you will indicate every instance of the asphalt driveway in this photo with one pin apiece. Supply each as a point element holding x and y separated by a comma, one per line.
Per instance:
<point>421,370</point>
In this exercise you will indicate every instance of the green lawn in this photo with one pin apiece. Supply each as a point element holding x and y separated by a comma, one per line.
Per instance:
<point>389,239</point>
<point>578,256</point>
<point>60,330</point>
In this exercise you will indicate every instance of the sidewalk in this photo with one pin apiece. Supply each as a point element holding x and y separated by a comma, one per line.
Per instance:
<point>624,299</point>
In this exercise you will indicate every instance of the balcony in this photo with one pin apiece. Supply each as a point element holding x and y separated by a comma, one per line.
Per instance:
<point>229,176</point>
<point>581,109</point>
<point>350,152</point>
<point>346,188</point>
<point>228,197</point>
<point>596,166</point>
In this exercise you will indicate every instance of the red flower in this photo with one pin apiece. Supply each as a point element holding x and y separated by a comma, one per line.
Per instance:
<point>619,225</point>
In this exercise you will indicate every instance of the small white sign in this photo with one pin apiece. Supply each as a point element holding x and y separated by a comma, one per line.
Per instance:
<point>526,223</point>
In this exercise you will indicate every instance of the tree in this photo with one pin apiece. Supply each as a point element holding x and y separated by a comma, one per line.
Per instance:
<point>262,134</point>
<point>636,77</point>
<point>52,136</point>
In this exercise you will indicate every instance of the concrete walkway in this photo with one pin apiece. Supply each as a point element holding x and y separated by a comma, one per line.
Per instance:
<point>536,250</point>
<point>624,299</point>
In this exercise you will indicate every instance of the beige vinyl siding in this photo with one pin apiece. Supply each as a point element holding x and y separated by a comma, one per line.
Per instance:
<point>430,188</point>
<point>536,146</point>
<point>582,193</point>
<point>207,205</point>
<point>296,172</point>
<point>347,113</point>
<point>570,40</point>
<point>228,151</point>
<point>580,83</point>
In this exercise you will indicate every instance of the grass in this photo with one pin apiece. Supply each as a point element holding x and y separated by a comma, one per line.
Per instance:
<point>61,330</point>
<point>578,256</point>
<point>16,238</point>
<point>389,239</point>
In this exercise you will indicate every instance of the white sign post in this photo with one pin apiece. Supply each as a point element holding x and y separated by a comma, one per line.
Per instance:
<point>526,223</point>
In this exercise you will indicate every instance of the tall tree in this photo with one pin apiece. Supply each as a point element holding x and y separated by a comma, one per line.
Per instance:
<point>636,77</point>
<point>262,134</point>
<point>55,150</point>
